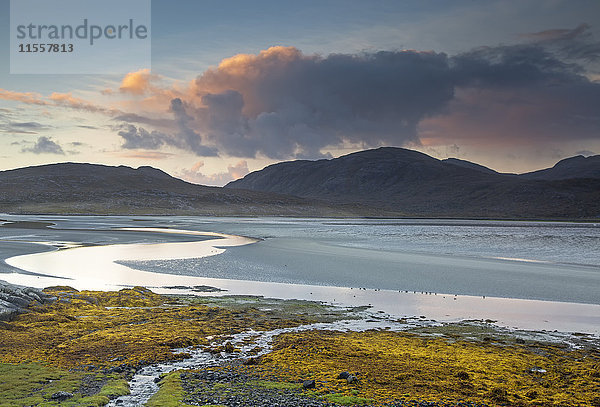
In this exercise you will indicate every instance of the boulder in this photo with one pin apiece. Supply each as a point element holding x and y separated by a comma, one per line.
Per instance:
<point>308,384</point>
<point>61,396</point>
<point>14,299</point>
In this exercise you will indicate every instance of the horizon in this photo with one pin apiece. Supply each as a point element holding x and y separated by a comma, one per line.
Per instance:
<point>513,86</point>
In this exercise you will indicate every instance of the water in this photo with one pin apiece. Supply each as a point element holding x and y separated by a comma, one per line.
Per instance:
<point>532,275</point>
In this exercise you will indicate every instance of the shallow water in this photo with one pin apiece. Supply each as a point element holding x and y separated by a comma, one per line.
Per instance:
<point>394,260</point>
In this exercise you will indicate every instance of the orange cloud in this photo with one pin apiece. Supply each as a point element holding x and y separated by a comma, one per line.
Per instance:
<point>137,83</point>
<point>67,100</point>
<point>234,172</point>
<point>238,170</point>
<point>31,98</point>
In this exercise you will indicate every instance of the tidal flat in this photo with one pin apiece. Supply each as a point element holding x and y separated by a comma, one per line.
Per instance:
<point>92,348</point>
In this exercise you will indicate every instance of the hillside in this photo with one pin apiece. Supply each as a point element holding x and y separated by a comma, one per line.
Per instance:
<point>414,183</point>
<point>573,167</point>
<point>98,189</point>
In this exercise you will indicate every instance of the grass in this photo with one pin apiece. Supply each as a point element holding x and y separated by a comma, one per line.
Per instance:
<point>170,393</point>
<point>32,384</point>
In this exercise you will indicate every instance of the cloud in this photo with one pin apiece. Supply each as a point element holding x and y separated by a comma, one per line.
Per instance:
<point>577,43</point>
<point>188,137</point>
<point>195,175</point>
<point>140,138</point>
<point>70,101</point>
<point>282,103</point>
<point>524,94</point>
<point>140,119</point>
<point>22,127</point>
<point>137,83</point>
<point>146,155</point>
<point>24,97</point>
<point>45,145</point>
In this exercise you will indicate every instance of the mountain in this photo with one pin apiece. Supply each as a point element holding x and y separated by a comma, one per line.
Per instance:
<point>100,189</point>
<point>574,167</point>
<point>468,164</point>
<point>416,184</point>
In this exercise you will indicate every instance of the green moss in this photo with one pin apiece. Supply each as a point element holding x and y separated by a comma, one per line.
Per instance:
<point>115,387</point>
<point>170,393</point>
<point>346,400</point>
<point>32,384</point>
<point>275,385</point>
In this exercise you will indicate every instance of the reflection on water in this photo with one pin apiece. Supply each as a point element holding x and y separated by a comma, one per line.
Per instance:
<point>319,256</point>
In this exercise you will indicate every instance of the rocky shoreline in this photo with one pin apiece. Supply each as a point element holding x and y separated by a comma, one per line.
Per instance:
<point>15,299</point>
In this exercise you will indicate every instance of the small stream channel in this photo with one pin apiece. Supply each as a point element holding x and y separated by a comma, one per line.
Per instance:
<point>250,343</point>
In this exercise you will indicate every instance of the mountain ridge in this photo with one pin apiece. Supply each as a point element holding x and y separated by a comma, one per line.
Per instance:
<point>408,181</point>
<point>83,188</point>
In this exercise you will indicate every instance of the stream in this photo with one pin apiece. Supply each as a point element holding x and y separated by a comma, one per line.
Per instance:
<point>250,343</point>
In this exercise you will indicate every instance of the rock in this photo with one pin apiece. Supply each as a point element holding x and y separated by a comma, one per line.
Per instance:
<point>343,375</point>
<point>308,384</point>
<point>351,379</point>
<point>61,396</point>
<point>251,361</point>
<point>14,299</point>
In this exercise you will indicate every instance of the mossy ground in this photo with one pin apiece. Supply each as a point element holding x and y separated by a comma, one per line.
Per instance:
<point>87,343</point>
<point>33,384</point>
<point>85,334</point>
<point>404,366</point>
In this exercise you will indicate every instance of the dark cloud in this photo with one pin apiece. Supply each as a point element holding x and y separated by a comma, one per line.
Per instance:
<point>577,43</point>
<point>187,136</point>
<point>140,138</point>
<point>22,127</point>
<point>45,145</point>
<point>139,119</point>
<point>284,104</point>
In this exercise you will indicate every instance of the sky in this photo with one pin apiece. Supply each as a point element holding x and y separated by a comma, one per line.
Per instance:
<point>234,86</point>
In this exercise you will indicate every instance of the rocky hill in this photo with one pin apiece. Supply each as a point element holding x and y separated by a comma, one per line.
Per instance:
<point>414,183</point>
<point>73,188</point>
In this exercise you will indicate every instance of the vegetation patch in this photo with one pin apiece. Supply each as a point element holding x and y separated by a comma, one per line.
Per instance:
<point>87,343</point>
<point>32,384</point>
<point>390,366</point>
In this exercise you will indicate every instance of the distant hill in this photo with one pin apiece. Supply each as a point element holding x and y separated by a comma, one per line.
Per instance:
<point>574,167</point>
<point>468,164</point>
<point>414,183</point>
<point>99,189</point>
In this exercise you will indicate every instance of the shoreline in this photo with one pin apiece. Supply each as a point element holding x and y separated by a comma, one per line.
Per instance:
<point>156,347</point>
<point>108,274</point>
